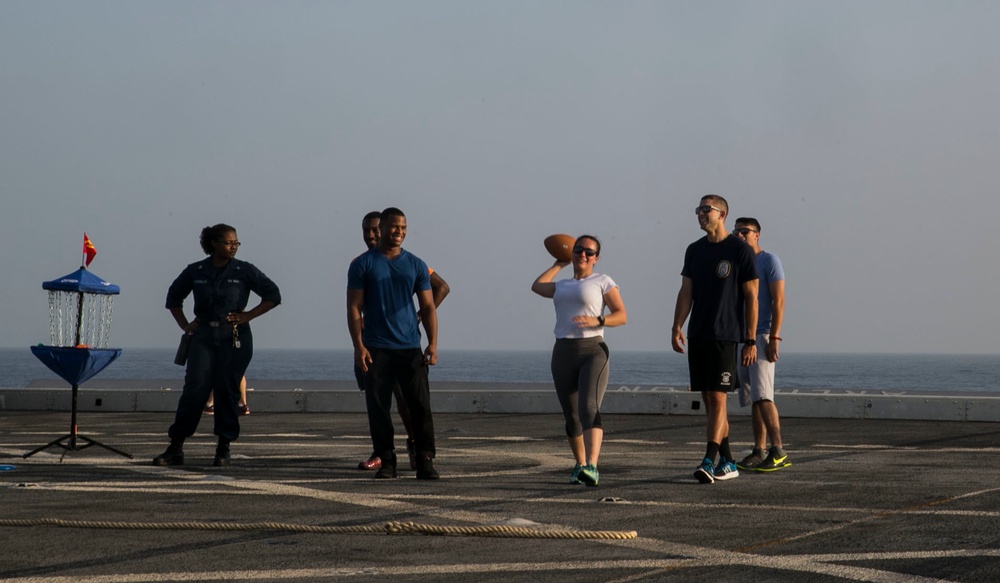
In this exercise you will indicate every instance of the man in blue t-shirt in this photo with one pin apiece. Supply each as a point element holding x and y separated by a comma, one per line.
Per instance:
<point>439,289</point>
<point>719,292</point>
<point>384,328</point>
<point>757,380</point>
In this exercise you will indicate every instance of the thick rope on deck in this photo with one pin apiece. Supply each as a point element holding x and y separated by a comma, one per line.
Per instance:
<point>501,531</point>
<point>411,528</point>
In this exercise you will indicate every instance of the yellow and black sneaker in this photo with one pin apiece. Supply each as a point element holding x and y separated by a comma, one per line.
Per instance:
<point>752,461</point>
<point>776,459</point>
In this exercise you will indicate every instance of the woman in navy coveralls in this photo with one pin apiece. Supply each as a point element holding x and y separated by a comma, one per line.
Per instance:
<point>221,342</point>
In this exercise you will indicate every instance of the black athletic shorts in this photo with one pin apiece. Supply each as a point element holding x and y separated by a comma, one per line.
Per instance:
<point>712,365</point>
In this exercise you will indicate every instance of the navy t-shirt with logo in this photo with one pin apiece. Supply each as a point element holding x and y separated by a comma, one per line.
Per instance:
<point>717,271</point>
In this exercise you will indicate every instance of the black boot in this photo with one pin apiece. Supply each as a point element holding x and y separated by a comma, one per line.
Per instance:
<point>221,454</point>
<point>174,456</point>
<point>388,469</point>
<point>425,468</point>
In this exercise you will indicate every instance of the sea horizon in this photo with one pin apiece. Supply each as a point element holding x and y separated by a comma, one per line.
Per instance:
<point>890,371</point>
<point>620,350</point>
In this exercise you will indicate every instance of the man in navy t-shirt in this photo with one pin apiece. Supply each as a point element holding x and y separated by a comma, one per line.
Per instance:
<point>719,292</point>
<point>384,328</point>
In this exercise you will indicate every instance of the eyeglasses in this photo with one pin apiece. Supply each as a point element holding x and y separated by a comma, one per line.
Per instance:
<point>578,249</point>
<point>743,231</point>
<point>230,243</point>
<point>706,208</point>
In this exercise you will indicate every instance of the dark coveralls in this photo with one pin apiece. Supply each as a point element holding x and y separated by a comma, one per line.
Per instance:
<point>214,363</point>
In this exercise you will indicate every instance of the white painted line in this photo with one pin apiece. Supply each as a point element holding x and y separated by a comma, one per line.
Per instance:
<point>680,555</point>
<point>483,569</point>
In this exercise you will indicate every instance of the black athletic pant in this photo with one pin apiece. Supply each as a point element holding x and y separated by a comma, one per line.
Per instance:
<point>407,367</point>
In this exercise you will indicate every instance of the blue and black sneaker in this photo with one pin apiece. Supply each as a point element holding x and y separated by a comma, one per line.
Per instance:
<point>726,470</point>
<point>705,473</point>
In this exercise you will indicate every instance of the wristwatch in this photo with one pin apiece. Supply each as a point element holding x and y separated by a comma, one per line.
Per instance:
<point>750,342</point>
<point>600,320</point>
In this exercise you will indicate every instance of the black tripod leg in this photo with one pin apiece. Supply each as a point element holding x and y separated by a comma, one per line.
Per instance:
<point>91,442</point>
<point>58,442</point>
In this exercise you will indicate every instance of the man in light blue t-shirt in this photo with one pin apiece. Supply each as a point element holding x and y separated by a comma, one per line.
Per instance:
<point>757,380</point>
<point>384,328</point>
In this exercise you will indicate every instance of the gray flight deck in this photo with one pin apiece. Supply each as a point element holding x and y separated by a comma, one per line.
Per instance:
<point>289,396</point>
<point>867,498</point>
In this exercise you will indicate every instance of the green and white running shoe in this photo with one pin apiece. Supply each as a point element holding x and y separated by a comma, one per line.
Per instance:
<point>589,475</point>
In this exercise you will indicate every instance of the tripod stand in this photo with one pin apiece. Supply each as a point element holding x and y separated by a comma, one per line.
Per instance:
<point>73,436</point>
<point>75,365</point>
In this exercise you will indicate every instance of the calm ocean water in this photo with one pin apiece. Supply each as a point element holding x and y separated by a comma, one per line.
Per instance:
<point>938,373</point>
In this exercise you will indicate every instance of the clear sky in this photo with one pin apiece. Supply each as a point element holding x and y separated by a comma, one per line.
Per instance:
<point>863,135</point>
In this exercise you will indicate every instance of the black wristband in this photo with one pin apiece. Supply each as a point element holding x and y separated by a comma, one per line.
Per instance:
<point>750,342</point>
<point>600,320</point>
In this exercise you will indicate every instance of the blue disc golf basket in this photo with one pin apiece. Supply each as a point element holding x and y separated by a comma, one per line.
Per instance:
<point>80,306</point>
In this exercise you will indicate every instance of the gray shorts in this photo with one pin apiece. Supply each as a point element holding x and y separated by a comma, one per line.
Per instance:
<point>757,380</point>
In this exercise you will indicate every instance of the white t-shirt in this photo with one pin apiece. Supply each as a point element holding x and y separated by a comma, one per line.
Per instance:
<point>580,297</point>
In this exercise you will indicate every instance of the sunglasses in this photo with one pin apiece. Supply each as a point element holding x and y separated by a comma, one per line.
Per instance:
<point>744,231</point>
<point>705,208</point>
<point>585,250</point>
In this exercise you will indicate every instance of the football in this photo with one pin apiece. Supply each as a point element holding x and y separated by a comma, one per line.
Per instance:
<point>560,246</point>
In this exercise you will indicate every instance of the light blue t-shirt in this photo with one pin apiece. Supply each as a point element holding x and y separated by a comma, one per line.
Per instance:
<point>389,284</point>
<point>768,269</point>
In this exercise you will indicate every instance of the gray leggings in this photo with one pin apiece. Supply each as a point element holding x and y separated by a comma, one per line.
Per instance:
<point>580,374</point>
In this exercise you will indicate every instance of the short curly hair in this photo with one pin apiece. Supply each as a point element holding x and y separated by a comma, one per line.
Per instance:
<point>214,233</point>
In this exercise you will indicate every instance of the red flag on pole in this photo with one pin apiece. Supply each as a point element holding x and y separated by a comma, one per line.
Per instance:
<point>88,250</point>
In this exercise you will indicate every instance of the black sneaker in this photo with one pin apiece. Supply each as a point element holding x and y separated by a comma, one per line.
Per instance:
<point>174,456</point>
<point>776,459</point>
<point>753,460</point>
<point>221,457</point>
<point>425,469</point>
<point>386,472</point>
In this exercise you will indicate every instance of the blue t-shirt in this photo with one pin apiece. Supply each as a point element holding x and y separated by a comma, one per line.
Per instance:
<point>769,269</point>
<point>389,285</point>
<point>717,271</point>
